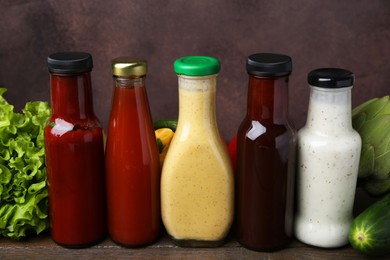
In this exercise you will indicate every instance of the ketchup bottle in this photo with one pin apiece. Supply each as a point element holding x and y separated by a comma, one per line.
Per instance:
<point>74,154</point>
<point>132,159</point>
<point>265,157</point>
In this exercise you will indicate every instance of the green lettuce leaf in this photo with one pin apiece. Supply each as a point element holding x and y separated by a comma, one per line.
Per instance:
<point>23,188</point>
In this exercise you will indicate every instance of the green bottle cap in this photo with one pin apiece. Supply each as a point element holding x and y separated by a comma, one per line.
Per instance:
<point>197,66</point>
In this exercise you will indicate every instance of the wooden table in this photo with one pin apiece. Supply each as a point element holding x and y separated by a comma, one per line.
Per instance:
<point>42,247</point>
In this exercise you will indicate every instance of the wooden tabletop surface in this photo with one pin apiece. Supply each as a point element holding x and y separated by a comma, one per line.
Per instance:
<point>42,247</point>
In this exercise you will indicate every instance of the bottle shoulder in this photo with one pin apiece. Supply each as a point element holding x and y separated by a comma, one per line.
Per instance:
<point>334,138</point>
<point>90,120</point>
<point>58,126</point>
<point>256,128</point>
<point>198,147</point>
<point>337,132</point>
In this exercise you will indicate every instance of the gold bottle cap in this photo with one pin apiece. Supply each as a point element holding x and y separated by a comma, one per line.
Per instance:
<point>127,67</point>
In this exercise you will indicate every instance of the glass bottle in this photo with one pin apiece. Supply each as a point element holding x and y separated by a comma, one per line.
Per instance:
<point>265,157</point>
<point>74,154</point>
<point>327,161</point>
<point>132,159</point>
<point>197,190</point>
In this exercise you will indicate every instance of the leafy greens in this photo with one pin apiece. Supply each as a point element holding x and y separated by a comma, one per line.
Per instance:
<point>23,188</point>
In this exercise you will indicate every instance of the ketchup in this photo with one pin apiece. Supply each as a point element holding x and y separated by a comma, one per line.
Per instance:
<point>74,154</point>
<point>265,157</point>
<point>132,159</point>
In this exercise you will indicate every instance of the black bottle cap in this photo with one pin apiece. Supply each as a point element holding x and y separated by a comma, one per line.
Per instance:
<point>269,64</point>
<point>331,78</point>
<point>70,62</point>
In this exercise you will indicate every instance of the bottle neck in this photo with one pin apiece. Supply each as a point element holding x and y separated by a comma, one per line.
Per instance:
<point>329,109</point>
<point>71,96</point>
<point>197,100</point>
<point>268,99</point>
<point>129,97</point>
<point>129,82</point>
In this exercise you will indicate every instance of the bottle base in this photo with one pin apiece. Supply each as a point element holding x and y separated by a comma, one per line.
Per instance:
<point>318,244</point>
<point>81,245</point>
<point>197,243</point>
<point>270,248</point>
<point>135,245</point>
<point>332,235</point>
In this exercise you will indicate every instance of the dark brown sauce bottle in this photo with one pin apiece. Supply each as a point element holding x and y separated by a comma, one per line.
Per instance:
<point>265,157</point>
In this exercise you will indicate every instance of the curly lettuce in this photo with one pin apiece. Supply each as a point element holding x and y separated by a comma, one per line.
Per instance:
<point>23,188</point>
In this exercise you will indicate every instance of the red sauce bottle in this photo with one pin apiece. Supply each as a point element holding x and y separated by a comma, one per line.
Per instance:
<point>265,157</point>
<point>74,154</point>
<point>132,159</point>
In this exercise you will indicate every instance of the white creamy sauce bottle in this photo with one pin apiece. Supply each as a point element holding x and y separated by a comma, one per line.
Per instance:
<point>327,161</point>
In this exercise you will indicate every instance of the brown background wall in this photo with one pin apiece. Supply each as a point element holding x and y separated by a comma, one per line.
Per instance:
<point>352,34</point>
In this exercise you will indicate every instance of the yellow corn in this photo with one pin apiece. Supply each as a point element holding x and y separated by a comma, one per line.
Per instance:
<point>165,135</point>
